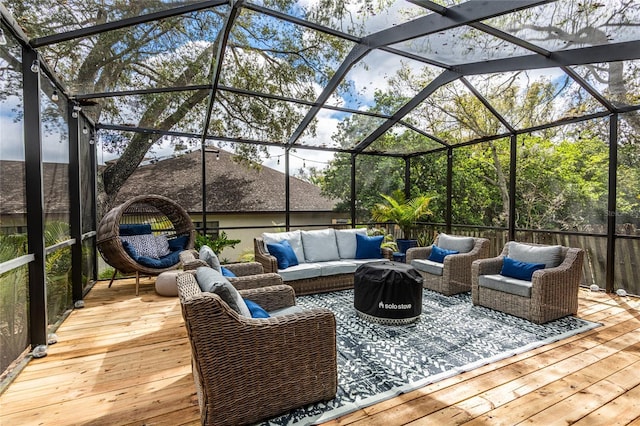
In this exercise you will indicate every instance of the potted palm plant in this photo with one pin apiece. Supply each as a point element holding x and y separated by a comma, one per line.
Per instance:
<point>405,213</point>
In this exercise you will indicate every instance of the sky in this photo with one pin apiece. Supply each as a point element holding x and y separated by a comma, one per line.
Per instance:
<point>374,72</point>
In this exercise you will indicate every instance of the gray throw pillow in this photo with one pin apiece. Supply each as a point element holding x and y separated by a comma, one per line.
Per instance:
<point>212,281</point>
<point>208,255</point>
<point>459,244</point>
<point>551,256</point>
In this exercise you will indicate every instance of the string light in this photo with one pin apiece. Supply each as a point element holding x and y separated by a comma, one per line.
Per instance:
<point>85,131</point>
<point>75,111</point>
<point>35,66</point>
<point>54,96</point>
<point>304,160</point>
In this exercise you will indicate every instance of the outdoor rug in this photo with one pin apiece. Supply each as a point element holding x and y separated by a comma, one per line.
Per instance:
<point>377,362</point>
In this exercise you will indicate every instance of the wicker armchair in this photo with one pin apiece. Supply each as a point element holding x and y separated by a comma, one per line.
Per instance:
<point>456,269</point>
<point>247,369</point>
<point>248,274</point>
<point>554,291</point>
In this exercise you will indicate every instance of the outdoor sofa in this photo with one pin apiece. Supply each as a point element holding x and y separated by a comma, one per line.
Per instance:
<point>325,260</point>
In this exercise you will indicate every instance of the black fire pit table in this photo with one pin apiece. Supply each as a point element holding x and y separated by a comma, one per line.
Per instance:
<point>387,293</point>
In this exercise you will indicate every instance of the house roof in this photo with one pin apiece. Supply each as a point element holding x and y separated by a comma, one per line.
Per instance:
<point>231,186</point>
<point>13,182</point>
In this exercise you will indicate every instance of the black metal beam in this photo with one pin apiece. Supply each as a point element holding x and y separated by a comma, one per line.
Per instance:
<point>586,86</point>
<point>34,202</point>
<point>442,79</point>
<point>76,204</point>
<point>613,52</point>
<point>124,23</point>
<point>216,68</point>
<point>354,194</point>
<point>487,105</point>
<point>357,53</point>
<point>448,211</point>
<point>407,177</point>
<point>513,167</point>
<point>612,204</point>
<point>465,13</point>
<point>287,192</point>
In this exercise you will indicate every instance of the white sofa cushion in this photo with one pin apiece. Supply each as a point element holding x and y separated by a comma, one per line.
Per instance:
<point>429,266</point>
<point>320,245</point>
<point>300,272</point>
<point>506,284</point>
<point>551,256</point>
<point>293,237</point>
<point>347,243</point>
<point>335,267</point>
<point>459,244</point>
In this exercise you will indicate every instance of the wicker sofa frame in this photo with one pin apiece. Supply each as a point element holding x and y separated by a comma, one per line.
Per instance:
<point>108,241</point>
<point>554,291</point>
<point>248,274</point>
<point>247,369</point>
<point>456,271</point>
<point>313,285</point>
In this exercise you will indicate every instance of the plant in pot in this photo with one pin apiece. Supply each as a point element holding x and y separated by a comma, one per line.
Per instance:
<point>405,213</point>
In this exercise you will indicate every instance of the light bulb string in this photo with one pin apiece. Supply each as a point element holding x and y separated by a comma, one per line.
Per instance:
<point>304,160</point>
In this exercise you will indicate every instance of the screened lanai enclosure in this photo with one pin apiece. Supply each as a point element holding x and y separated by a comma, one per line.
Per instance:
<point>519,118</point>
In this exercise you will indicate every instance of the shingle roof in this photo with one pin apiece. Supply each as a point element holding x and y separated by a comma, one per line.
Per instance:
<point>231,186</point>
<point>13,182</point>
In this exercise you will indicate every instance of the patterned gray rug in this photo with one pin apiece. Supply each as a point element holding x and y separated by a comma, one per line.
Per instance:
<point>377,362</point>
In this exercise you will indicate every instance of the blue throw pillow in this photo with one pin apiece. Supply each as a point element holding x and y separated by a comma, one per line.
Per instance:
<point>129,229</point>
<point>256,310</point>
<point>130,250</point>
<point>368,247</point>
<point>178,243</point>
<point>227,273</point>
<point>438,254</point>
<point>520,270</point>
<point>283,253</point>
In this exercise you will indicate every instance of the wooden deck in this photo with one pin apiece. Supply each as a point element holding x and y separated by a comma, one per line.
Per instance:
<point>125,360</point>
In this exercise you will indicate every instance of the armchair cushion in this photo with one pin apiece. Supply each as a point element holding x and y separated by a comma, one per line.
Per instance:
<point>209,256</point>
<point>429,266</point>
<point>368,247</point>
<point>438,254</point>
<point>519,270</point>
<point>551,256</point>
<point>459,244</point>
<point>211,281</point>
<point>506,284</point>
<point>284,254</point>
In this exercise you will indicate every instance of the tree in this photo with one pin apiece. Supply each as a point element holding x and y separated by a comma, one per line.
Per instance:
<point>263,54</point>
<point>404,212</point>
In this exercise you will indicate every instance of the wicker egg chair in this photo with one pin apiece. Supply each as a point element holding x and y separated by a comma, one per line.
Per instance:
<point>165,217</point>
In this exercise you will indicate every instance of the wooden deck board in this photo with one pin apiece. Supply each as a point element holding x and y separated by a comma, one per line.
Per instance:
<point>125,360</point>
